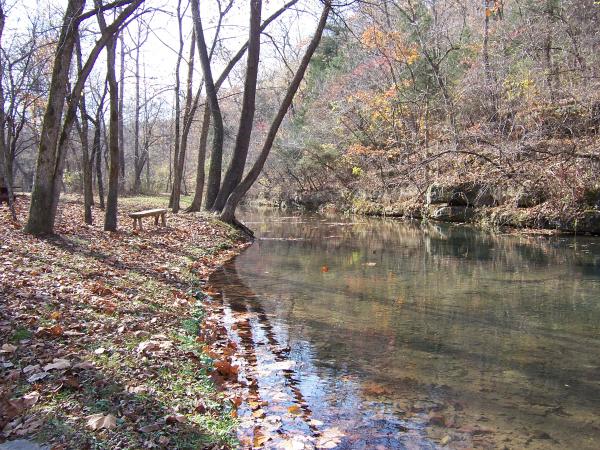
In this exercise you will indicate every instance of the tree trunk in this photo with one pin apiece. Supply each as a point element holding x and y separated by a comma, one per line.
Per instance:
<point>200,174</point>
<point>41,217</point>
<point>216,160</point>
<point>137,158</point>
<point>88,194</point>
<point>121,119</point>
<point>110,217</point>
<point>98,151</point>
<point>228,213</point>
<point>177,106</point>
<point>191,104</point>
<point>5,161</point>
<point>235,171</point>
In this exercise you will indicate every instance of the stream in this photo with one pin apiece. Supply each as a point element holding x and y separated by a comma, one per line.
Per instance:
<point>379,334</point>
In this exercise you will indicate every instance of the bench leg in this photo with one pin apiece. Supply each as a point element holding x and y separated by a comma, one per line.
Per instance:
<point>140,223</point>
<point>163,220</point>
<point>156,220</point>
<point>134,224</point>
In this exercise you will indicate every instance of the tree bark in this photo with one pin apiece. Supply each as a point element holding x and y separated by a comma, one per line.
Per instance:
<point>228,213</point>
<point>5,162</point>
<point>88,194</point>
<point>121,113</point>
<point>235,171</point>
<point>214,173</point>
<point>110,216</point>
<point>53,147</point>
<point>200,174</point>
<point>41,217</point>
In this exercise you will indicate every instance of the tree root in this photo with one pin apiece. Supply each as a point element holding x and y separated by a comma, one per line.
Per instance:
<point>243,228</point>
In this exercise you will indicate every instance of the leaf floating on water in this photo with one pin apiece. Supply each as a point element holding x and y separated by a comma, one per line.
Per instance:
<point>330,438</point>
<point>100,421</point>
<point>260,438</point>
<point>295,443</point>
<point>294,409</point>
<point>325,269</point>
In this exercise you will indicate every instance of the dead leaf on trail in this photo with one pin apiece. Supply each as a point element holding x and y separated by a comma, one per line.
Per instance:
<point>84,365</point>
<point>258,414</point>
<point>137,389</point>
<point>53,331</point>
<point>37,377</point>
<point>225,368</point>
<point>153,346</point>
<point>175,418</point>
<point>152,427</point>
<point>294,409</point>
<point>55,315</point>
<point>99,421</point>
<point>100,351</point>
<point>31,368</point>
<point>57,364</point>
<point>8,348</point>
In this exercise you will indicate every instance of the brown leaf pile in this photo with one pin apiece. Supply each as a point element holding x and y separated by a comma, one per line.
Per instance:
<point>87,320</point>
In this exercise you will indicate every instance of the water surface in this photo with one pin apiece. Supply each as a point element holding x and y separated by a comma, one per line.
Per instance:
<point>385,334</point>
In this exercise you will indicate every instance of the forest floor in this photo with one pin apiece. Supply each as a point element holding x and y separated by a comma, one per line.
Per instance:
<point>99,342</point>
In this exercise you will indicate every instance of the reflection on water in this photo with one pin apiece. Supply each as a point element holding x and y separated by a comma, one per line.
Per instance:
<point>409,336</point>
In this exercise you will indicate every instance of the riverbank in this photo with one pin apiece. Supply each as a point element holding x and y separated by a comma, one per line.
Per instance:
<point>539,217</point>
<point>99,331</point>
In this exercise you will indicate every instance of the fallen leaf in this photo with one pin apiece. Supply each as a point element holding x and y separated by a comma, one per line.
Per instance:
<point>99,421</point>
<point>37,377</point>
<point>176,418</point>
<point>259,439</point>
<point>57,364</point>
<point>329,438</point>
<point>8,348</point>
<point>294,409</point>
<point>84,365</point>
<point>152,427</point>
<point>53,331</point>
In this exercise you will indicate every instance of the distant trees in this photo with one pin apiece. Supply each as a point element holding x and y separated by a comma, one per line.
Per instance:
<point>417,91</point>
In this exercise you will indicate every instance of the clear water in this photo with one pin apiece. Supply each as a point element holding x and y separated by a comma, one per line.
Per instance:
<point>386,334</point>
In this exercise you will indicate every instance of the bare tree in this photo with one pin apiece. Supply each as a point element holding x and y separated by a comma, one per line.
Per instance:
<point>235,170</point>
<point>228,213</point>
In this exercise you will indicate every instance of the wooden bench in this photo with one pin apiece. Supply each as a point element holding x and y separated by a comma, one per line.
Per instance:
<point>156,213</point>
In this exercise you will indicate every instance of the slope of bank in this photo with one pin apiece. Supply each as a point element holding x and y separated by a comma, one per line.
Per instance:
<point>480,204</point>
<point>98,344</point>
